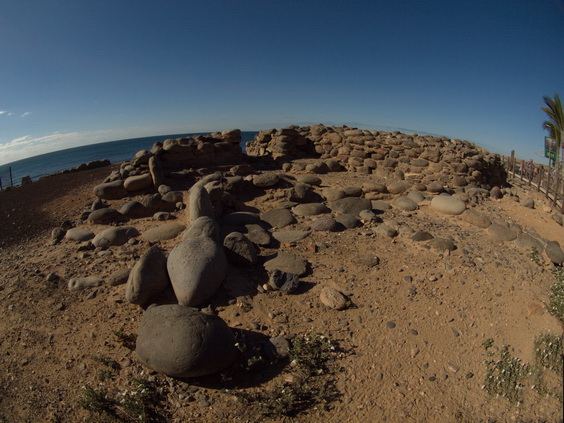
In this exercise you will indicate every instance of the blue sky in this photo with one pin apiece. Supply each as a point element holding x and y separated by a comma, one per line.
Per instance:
<point>74,73</point>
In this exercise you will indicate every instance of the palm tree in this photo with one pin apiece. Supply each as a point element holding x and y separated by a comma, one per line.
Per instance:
<point>555,123</point>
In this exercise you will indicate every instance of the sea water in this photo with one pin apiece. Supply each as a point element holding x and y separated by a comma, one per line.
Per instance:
<point>114,151</point>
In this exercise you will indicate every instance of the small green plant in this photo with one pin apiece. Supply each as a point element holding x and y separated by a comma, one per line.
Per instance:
<point>310,358</point>
<point>535,256</point>
<point>311,354</point>
<point>506,376</point>
<point>139,402</point>
<point>556,294</point>
<point>549,352</point>
<point>487,343</point>
<point>95,400</point>
<point>128,340</point>
<point>107,361</point>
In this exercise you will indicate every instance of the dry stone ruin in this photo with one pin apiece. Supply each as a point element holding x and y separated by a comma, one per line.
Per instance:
<point>198,187</point>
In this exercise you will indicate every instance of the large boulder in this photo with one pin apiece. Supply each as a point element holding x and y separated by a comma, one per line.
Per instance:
<point>148,278</point>
<point>310,209</point>
<point>110,190</point>
<point>196,268</point>
<point>501,232</point>
<point>199,204</point>
<point>79,234</point>
<point>476,218</point>
<point>115,236</point>
<point>182,342</point>
<point>447,204</point>
<point>156,171</point>
<point>138,182</point>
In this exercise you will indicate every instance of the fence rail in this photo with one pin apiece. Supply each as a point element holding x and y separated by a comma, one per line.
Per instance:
<point>542,178</point>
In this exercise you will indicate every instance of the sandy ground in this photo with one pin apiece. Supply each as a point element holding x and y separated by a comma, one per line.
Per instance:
<point>430,367</point>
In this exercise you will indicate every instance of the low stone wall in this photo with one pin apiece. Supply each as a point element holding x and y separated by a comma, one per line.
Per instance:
<point>423,159</point>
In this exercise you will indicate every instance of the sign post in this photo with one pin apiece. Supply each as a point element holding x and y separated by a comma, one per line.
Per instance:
<point>550,150</point>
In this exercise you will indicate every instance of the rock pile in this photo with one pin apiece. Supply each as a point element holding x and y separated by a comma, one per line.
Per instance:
<point>416,158</point>
<point>219,234</point>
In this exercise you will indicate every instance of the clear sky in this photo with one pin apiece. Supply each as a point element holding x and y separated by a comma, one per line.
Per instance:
<point>77,72</point>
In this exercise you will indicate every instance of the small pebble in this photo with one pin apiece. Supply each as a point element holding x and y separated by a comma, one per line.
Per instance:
<point>390,324</point>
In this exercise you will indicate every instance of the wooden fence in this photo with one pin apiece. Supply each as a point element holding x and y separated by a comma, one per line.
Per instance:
<point>539,177</point>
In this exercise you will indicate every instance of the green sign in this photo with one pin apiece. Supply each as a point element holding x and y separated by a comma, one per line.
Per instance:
<point>550,148</point>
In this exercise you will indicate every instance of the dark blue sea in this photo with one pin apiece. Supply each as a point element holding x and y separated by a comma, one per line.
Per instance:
<point>114,151</point>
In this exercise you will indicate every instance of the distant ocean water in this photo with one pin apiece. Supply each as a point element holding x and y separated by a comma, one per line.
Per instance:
<point>114,151</point>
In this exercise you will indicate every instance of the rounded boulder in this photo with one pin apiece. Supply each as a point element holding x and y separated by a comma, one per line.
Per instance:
<point>182,342</point>
<point>447,204</point>
<point>196,268</point>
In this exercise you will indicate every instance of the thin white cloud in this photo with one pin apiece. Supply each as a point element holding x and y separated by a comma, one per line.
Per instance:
<point>3,112</point>
<point>24,114</point>
<point>29,146</point>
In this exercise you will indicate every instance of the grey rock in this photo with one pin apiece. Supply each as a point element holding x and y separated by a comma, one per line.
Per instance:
<point>287,263</point>
<point>348,221</point>
<point>558,218</point>
<point>290,236</point>
<point>57,235</point>
<point>119,277</point>
<point>79,234</point>
<point>353,191</point>
<point>421,236</point>
<point>199,204</point>
<point>528,243</point>
<point>240,219</point>
<point>281,346</point>
<point>163,232</point>
<point>283,281</point>
<point>398,187</point>
<point>196,268</point>
<point>138,182</point>
<point>278,218</point>
<point>447,204</point>
<point>370,261</point>
<point>78,284</point>
<point>331,194</point>
<point>162,216</point>
<point>310,209</point>
<point>415,196</point>
<point>404,203</point>
<point>173,197</point>
<point>258,235</point>
<point>435,187</point>
<point>115,236</point>
<point>367,215</point>
<point>156,171</point>
<point>265,180</point>
<point>442,244</point>
<point>385,230</point>
<point>529,203</point>
<point>554,252</point>
<point>148,278</point>
<point>302,193</point>
<point>324,224</point>
<point>501,232</point>
<point>104,216</point>
<point>110,190</point>
<point>310,180</point>
<point>332,298</point>
<point>380,205</point>
<point>239,250</point>
<point>182,342</point>
<point>134,209</point>
<point>475,218</point>
<point>350,205</point>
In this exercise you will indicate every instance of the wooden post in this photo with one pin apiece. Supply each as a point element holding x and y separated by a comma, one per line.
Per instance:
<point>11,182</point>
<point>547,183</point>
<point>541,170</point>
<point>513,162</point>
<point>556,189</point>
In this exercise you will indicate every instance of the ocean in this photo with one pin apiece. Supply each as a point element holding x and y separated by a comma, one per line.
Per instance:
<point>114,151</point>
